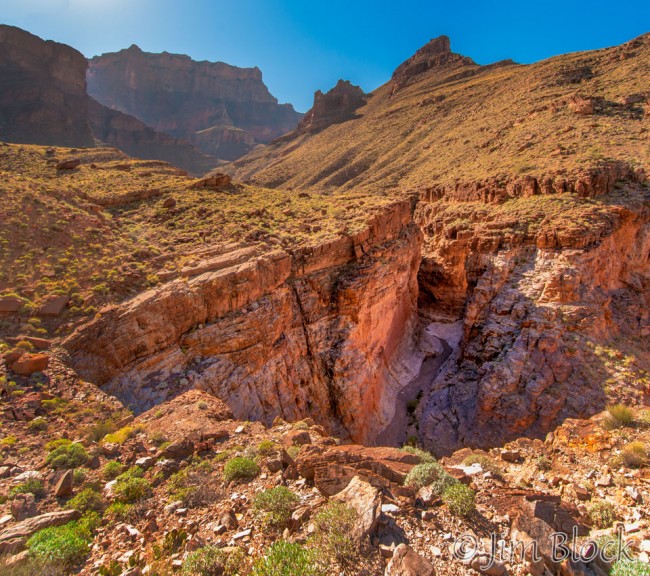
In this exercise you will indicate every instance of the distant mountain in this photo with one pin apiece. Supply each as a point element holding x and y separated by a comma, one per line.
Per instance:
<point>225,111</point>
<point>43,100</point>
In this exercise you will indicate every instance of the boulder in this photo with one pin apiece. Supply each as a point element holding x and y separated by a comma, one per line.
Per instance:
<point>179,449</point>
<point>213,181</point>
<point>27,364</point>
<point>407,562</point>
<point>10,304</point>
<point>54,307</point>
<point>64,486</point>
<point>366,501</point>
<point>32,525</point>
<point>23,506</point>
<point>68,164</point>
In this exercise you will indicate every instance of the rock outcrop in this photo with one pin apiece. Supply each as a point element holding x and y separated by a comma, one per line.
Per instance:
<point>333,107</point>
<point>223,110</point>
<point>322,332</point>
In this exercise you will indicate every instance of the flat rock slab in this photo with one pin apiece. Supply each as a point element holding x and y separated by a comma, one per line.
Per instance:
<point>30,526</point>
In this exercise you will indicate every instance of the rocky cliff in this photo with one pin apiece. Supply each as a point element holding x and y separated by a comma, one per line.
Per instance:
<point>43,100</point>
<point>222,109</point>
<point>324,332</point>
<point>42,91</point>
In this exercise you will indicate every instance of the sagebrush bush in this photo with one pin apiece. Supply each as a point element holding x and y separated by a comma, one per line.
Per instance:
<point>31,485</point>
<point>618,416</point>
<point>333,538</point>
<point>267,447</point>
<point>602,514</point>
<point>214,561</point>
<point>131,486</point>
<point>37,424</point>
<point>67,456</point>
<point>460,499</point>
<point>543,464</point>
<point>287,559</point>
<point>194,485</point>
<point>275,506</point>
<point>423,455</point>
<point>111,470</point>
<point>86,500</point>
<point>240,468</point>
<point>425,474</point>
<point>633,455</point>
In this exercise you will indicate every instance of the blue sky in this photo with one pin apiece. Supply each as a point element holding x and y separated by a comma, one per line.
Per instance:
<point>301,46</point>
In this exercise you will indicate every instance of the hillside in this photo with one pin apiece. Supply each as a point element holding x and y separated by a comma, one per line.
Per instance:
<point>223,110</point>
<point>443,119</point>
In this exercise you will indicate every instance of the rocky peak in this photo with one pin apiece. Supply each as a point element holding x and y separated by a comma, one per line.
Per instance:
<point>337,105</point>
<point>435,54</point>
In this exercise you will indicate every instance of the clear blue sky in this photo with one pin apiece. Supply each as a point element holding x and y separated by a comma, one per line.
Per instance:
<point>304,45</point>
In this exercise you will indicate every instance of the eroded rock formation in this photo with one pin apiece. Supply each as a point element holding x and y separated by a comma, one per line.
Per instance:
<point>223,110</point>
<point>324,332</point>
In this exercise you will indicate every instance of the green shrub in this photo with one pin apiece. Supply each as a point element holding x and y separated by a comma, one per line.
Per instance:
<point>119,512</point>
<point>8,441</point>
<point>68,456</point>
<point>424,475</point>
<point>31,485</point>
<point>240,468</point>
<point>79,476</point>
<point>99,430</point>
<point>54,444</point>
<point>487,463</point>
<point>333,540</point>
<point>630,568</point>
<point>131,486</point>
<point>543,464</point>
<point>274,506</point>
<point>87,500</point>
<point>37,424</point>
<point>267,447</point>
<point>66,545</point>
<point>287,559</point>
<point>121,436</point>
<point>618,416</point>
<point>459,499</point>
<point>214,561</point>
<point>602,514</point>
<point>111,470</point>
<point>293,451</point>
<point>194,485</point>
<point>423,455</point>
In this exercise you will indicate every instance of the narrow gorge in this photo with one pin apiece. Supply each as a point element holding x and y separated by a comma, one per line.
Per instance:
<point>461,317</point>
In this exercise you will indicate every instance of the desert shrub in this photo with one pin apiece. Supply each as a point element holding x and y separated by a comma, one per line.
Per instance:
<point>68,456</point>
<point>31,485</point>
<point>618,416</point>
<point>543,464</point>
<point>99,430</point>
<point>54,444</point>
<point>630,568</point>
<point>333,540</point>
<point>424,475</point>
<point>287,559</point>
<point>267,447</point>
<point>293,451</point>
<point>487,463</point>
<point>32,566</point>
<point>119,512</point>
<point>157,438</point>
<point>8,441</point>
<point>214,561</point>
<point>633,455</point>
<point>194,486</point>
<point>65,545</point>
<point>79,476</point>
<point>459,499</point>
<point>240,468</point>
<point>171,543</point>
<point>120,436</point>
<point>602,514</point>
<point>111,470</point>
<point>423,455</point>
<point>86,500</point>
<point>37,424</point>
<point>274,506</point>
<point>131,486</point>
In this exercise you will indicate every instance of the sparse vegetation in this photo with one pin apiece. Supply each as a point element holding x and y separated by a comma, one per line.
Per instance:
<point>618,416</point>
<point>333,538</point>
<point>287,559</point>
<point>194,485</point>
<point>67,455</point>
<point>423,455</point>
<point>274,506</point>
<point>112,469</point>
<point>32,485</point>
<point>488,464</point>
<point>460,499</point>
<point>602,514</point>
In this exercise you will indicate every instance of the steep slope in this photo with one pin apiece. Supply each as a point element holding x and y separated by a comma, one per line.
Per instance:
<point>443,119</point>
<point>43,100</point>
<point>223,110</point>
